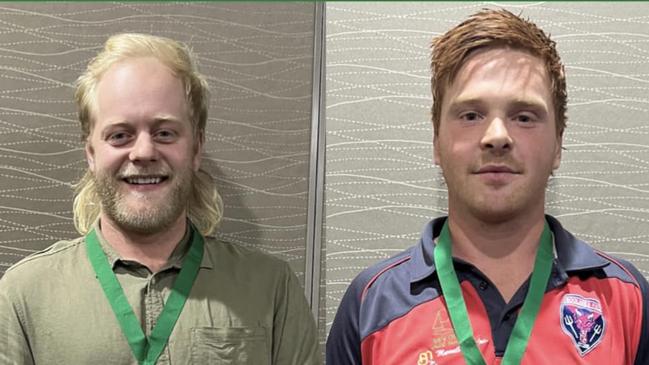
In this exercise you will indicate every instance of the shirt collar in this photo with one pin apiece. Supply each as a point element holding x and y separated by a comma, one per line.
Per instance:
<point>572,253</point>
<point>175,259</point>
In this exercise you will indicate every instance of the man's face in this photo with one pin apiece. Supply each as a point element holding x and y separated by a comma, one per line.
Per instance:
<point>141,148</point>
<point>497,142</point>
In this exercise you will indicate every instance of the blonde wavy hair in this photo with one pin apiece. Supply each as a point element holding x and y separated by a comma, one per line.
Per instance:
<point>205,207</point>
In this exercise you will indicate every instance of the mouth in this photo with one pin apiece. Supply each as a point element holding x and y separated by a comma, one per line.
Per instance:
<point>496,169</point>
<point>144,180</point>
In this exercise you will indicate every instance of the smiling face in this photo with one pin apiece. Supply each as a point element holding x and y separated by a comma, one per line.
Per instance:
<point>497,142</point>
<point>142,149</point>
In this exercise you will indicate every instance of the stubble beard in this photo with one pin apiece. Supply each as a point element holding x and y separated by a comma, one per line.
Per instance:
<point>155,214</point>
<point>467,195</point>
<point>495,208</point>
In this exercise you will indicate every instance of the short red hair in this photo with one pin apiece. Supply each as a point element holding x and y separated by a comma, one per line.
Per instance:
<point>495,28</point>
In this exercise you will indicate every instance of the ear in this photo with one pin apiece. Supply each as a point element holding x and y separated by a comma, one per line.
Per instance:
<point>198,152</point>
<point>557,152</point>
<point>436,157</point>
<point>90,156</point>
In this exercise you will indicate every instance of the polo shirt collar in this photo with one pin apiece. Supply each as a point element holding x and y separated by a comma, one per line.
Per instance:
<point>572,253</point>
<point>175,259</point>
<point>421,264</point>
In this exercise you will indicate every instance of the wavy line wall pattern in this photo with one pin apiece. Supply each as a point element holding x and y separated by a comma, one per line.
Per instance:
<point>258,60</point>
<point>381,186</point>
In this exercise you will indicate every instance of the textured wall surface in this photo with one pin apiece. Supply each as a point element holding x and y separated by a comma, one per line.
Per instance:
<point>381,186</point>
<point>258,60</point>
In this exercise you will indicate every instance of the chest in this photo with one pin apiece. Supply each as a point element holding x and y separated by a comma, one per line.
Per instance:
<point>220,324</point>
<point>582,322</point>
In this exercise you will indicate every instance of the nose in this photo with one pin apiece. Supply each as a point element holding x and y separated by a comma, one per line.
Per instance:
<point>496,138</point>
<point>144,149</point>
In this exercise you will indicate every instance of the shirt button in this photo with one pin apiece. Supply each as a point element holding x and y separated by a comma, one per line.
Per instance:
<point>483,285</point>
<point>507,317</point>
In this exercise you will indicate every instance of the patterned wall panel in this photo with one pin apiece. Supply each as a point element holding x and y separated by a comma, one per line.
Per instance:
<point>381,185</point>
<point>258,60</point>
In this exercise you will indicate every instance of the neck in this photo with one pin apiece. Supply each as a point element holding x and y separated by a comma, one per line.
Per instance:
<point>151,250</point>
<point>504,251</point>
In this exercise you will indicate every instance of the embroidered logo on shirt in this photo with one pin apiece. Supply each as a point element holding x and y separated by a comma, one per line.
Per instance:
<point>582,321</point>
<point>444,342</point>
<point>426,358</point>
<point>443,334</point>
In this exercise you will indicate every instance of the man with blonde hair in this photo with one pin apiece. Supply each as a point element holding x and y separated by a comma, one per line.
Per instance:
<point>145,284</point>
<point>496,281</point>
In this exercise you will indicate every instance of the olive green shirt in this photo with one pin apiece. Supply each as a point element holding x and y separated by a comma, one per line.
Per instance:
<point>245,307</point>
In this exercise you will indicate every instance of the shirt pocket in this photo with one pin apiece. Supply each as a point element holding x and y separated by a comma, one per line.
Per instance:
<point>229,345</point>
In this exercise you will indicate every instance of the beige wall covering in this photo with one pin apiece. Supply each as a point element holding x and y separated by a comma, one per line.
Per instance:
<point>381,186</point>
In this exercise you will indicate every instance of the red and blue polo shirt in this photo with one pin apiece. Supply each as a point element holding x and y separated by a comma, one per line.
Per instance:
<point>595,311</point>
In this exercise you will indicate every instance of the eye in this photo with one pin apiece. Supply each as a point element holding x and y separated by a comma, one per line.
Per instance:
<point>524,118</point>
<point>165,135</point>
<point>470,116</point>
<point>118,138</point>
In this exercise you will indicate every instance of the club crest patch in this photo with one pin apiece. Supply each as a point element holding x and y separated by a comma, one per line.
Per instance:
<point>582,321</point>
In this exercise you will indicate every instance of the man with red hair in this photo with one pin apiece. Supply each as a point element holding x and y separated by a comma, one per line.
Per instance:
<point>496,281</point>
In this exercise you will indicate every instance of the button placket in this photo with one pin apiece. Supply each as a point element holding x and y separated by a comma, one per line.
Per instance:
<point>154,303</point>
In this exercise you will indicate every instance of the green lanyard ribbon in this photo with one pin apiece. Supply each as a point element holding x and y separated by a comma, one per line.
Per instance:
<point>457,308</point>
<point>146,350</point>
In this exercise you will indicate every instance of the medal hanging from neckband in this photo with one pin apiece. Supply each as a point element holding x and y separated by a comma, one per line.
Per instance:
<point>457,308</point>
<point>146,350</point>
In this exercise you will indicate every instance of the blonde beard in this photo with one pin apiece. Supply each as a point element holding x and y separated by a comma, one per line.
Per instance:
<point>151,218</point>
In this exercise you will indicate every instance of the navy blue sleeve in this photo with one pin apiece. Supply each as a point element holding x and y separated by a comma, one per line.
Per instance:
<point>344,342</point>
<point>642,357</point>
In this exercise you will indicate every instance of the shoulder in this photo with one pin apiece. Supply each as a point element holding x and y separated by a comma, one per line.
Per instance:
<point>383,274</point>
<point>578,257</point>
<point>234,257</point>
<point>624,270</point>
<point>47,261</point>
<point>40,274</point>
<point>383,280</point>
<point>377,287</point>
<point>396,273</point>
<point>240,252</point>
